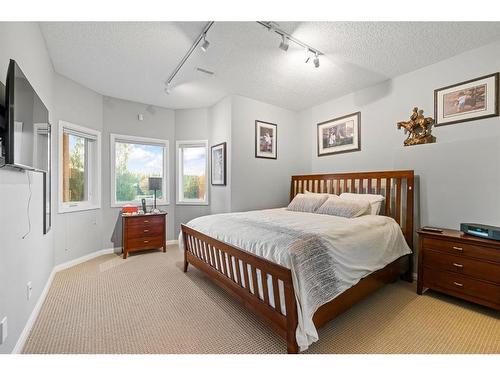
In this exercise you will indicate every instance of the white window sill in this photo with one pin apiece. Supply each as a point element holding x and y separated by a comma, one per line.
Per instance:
<point>139,204</point>
<point>81,207</point>
<point>192,203</point>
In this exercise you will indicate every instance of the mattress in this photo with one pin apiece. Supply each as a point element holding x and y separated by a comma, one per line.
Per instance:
<point>326,254</point>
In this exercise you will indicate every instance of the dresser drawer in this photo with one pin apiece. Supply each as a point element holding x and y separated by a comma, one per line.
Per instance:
<point>144,221</point>
<point>462,265</point>
<point>461,285</point>
<point>459,248</point>
<point>139,231</point>
<point>145,243</point>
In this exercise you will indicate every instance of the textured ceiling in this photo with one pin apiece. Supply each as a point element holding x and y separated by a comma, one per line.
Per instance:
<point>133,60</point>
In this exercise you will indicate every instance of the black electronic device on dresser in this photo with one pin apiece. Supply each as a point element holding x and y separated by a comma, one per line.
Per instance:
<point>481,230</point>
<point>460,265</point>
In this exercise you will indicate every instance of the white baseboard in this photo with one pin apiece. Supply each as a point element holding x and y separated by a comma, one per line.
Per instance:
<point>74,262</point>
<point>34,314</point>
<point>173,242</point>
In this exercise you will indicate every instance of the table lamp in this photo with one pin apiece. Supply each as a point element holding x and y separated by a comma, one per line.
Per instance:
<point>154,184</point>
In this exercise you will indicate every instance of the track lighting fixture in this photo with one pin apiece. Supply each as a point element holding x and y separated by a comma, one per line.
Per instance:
<point>205,44</point>
<point>284,43</point>
<point>168,88</point>
<point>310,52</point>
<point>316,60</point>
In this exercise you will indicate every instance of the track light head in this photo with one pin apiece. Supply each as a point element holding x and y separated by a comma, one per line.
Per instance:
<point>168,88</point>
<point>205,44</point>
<point>284,43</point>
<point>316,60</point>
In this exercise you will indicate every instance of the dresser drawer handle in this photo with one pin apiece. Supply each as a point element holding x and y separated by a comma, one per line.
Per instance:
<point>458,265</point>
<point>146,241</point>
<point>146,230</point>
<point>458,248</point>
<point>146,221</point>
<point>458,284</point>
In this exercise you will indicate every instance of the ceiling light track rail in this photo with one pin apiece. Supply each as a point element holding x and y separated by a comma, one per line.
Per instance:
<point>200,37</point>
<point>271,26</point>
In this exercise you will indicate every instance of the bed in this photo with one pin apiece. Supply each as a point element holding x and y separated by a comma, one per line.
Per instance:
<point>297,270</point>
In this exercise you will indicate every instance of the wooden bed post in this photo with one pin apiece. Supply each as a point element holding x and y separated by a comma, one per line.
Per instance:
<point>292,318</point>
<point>408,275</point>
<point>184,239</point>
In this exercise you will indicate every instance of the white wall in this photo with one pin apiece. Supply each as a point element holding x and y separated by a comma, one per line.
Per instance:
<point>220,131</point>
<point>76,233</point>
<point>121,117</point>
<point>459,175</point>
<point>31,259</point>
<point>264,183</point>
<point>190,124</point>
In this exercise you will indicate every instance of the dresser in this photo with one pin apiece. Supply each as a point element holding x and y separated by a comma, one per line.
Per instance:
<point>460,265</point>
<point>144,232</point>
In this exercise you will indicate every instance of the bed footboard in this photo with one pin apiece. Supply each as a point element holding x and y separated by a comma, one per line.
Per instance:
<point>238,271</point>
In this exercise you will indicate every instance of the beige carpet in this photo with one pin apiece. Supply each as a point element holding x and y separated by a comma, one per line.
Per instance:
<point>146,304</point>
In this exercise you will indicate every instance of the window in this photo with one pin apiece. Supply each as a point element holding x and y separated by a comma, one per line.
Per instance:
<point>133,161</point>
<point>192,186</point>
<point>79,168</point>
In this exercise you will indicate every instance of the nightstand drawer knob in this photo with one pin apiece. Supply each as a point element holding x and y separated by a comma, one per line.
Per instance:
<point>458,284</point>
<point>146,221</point>
<point>458,248</point>
<point>146,241</point>
<point>146,230</point>
<point>458,265</point>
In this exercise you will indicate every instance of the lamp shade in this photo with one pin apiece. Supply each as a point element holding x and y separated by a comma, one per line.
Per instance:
<point>154,183</point>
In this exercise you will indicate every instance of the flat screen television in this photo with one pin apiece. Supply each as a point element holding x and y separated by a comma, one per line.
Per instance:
<point>25,136</point>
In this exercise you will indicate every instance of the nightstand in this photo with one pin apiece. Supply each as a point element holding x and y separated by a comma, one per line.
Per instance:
<point>460,265</point>
<point>144,232</point>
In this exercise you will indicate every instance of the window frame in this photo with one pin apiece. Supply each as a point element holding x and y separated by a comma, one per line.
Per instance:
<point>166,170</point>
<point>93,170</point>
<point>191,202</point>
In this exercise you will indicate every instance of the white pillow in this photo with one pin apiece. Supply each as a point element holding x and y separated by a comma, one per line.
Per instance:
<point>375,200</point>
<point>307,203</point>
<point>311,193</point>
<point>344,207</point>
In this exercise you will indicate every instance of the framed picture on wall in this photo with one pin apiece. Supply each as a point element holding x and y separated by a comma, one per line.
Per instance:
<point>218,167</point>
<point>467,101</point>
<point>339,135</point>
<point>266,140</point>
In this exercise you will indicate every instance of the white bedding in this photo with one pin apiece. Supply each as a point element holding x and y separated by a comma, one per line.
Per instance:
<point>327,254</point>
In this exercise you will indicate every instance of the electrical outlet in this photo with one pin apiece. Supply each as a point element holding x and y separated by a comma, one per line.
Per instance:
<point>29,289</point>
<point>3,330</point>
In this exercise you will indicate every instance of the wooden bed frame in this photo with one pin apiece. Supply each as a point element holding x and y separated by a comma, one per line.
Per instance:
<point>213,256</point>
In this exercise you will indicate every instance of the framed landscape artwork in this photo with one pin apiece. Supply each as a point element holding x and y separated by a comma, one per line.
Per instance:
<point>340,135</point>
<point>266,140</point>
<point>219,164</point>
<point>467,101</point>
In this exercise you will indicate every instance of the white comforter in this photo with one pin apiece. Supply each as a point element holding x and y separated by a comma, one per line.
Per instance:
<point>327,254</point>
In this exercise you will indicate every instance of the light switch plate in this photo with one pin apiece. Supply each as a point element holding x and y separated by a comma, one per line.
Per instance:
<point>3,330</point>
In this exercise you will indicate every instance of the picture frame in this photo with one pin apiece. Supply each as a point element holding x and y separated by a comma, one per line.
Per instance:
<point>339,135</point>
<point>266,140</point>
<point>218,160</point>
<point>470,100</point>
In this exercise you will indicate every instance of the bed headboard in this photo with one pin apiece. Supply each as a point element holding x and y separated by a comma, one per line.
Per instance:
<point>395,186</point>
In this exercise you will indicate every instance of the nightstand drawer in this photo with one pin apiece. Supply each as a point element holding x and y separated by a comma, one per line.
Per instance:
<point>462,265</point>
<point>144,220</point>
<point>459,248</point>
<point>461,285</point>
<point>145,243</point>
<point>137,231</point>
